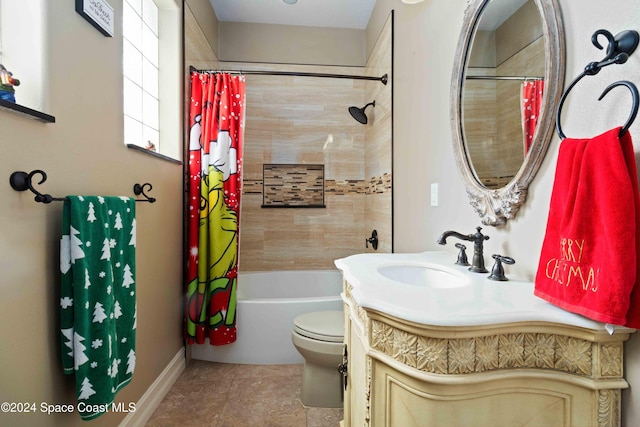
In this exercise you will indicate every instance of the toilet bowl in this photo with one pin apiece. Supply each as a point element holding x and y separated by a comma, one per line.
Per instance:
<point>318,337</point>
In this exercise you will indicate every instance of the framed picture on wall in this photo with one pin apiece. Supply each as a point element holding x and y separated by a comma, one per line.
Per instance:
<point>99,13</point>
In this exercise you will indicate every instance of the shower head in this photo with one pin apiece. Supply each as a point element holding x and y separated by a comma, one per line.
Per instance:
<point>358,113</point>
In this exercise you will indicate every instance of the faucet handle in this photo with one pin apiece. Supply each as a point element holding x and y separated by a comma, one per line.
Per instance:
<point>373,240</point>
<point>462,255</point>
<point>497,272</point>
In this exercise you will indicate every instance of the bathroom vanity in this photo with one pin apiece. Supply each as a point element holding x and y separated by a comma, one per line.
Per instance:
<point>428,344</point>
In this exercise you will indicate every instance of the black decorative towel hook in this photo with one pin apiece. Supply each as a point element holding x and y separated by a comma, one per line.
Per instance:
<point>138,190</point>
<point>22,181</point>
<point>618,51</point>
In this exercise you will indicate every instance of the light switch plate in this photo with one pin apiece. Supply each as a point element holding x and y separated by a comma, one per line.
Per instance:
<point>434,194</point>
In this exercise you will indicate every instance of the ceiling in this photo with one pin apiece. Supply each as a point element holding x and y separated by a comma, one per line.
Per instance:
<point>332,13</point>
<point>313,13</point>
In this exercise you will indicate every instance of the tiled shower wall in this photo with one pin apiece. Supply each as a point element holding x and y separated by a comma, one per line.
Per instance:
<point>302,120</point>
<point>305,120</point>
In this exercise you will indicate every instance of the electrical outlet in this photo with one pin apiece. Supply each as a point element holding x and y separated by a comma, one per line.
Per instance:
<point>434,194</point>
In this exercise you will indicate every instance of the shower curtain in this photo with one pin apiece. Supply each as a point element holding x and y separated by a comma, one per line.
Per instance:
<point>531,97</point>
<point>216,133</point>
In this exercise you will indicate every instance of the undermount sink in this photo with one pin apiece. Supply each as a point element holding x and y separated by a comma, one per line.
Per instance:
<point>428,288</point>
<point>424,275</point>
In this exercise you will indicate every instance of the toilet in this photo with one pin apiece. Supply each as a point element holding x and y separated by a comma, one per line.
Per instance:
<point>318,337</point>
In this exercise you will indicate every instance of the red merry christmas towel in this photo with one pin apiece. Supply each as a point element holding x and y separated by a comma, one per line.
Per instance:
<point>589,259</point>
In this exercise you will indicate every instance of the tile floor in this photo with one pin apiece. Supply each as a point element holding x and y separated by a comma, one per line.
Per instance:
<point>211,394</point>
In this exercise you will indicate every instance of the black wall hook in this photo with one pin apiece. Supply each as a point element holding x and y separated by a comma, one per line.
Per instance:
<point>618,50</point>
<point>625,42</point>
<point>23,181</point>
<point>139,190</point>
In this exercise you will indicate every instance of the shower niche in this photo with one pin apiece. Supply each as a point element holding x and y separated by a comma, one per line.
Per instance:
<point>293,186</point>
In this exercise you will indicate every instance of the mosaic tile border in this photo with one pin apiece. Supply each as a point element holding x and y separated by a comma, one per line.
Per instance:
<point>375,185</point>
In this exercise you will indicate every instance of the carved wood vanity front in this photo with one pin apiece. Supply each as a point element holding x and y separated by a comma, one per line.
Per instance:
<point>402,373</point>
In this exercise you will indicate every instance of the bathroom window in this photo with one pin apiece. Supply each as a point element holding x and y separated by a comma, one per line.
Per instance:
<point>149,62</point>
<point>140,65</point>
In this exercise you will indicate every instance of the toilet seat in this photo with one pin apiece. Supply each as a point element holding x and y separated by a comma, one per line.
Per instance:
<point>327,326</point>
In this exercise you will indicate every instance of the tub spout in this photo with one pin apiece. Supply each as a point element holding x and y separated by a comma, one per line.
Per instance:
<point>478,239</point>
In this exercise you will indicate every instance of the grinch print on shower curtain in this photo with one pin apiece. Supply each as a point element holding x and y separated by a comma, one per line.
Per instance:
<point>216,122</point>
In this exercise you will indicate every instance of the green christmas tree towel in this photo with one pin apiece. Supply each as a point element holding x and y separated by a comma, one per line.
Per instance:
<point>98,298</point>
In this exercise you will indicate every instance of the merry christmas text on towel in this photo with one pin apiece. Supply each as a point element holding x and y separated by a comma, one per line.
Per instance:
<point>589,259</point>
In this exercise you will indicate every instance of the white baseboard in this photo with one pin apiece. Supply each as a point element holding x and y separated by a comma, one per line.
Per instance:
<point>156,392</point>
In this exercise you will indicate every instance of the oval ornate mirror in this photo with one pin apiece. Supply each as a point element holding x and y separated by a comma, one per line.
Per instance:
<point>507,81</point>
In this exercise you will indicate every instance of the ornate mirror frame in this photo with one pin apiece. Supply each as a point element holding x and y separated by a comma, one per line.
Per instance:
<point>496,206</point>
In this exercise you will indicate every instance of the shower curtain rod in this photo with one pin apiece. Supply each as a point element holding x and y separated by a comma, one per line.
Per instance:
<point>523,78</point>
<point>384,79</point>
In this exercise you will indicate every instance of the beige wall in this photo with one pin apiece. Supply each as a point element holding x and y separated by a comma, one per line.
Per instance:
<point>198,48</point>
<point>82,153</point>
<point>202,16</point>
<point>517,32</point>
<point>268,43</point>
<point>483,51</point>
<point>425,40</point>
<point>288,44</point>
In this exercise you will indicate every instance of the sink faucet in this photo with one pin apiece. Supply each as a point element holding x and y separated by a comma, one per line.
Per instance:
<point>477,265</point>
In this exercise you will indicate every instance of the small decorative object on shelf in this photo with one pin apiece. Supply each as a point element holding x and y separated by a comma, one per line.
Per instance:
<point>7,82</point>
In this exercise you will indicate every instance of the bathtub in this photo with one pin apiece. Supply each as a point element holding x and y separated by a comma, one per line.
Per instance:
<point>267,304</point>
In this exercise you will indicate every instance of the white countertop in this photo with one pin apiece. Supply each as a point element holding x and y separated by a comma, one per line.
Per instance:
<point>478,301</point>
